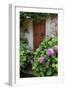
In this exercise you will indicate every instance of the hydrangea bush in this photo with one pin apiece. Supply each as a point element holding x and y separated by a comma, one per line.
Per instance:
<point>46,58</point>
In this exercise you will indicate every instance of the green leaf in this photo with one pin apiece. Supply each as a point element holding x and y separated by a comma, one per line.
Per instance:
<point>49,72</point>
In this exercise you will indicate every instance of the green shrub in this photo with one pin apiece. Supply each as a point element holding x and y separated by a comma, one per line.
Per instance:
<point>49,67</point>
<point>26,55</point>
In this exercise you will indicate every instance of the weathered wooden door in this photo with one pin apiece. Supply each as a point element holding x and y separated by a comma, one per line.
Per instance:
<point>38,32</point>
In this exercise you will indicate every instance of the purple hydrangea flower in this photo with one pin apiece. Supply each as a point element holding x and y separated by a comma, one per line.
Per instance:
<point>41,60</point>
<point>50,52</point>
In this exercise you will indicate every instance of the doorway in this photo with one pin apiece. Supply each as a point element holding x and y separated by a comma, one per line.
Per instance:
<point>39,29</point>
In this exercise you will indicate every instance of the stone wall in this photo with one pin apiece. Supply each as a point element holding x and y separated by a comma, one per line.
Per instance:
<point>52,26</point>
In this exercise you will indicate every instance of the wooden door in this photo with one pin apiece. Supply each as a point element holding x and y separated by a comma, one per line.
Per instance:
<point>38,33</point>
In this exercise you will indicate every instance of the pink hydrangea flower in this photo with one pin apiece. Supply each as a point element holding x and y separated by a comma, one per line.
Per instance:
<point>50,52</point>
<point>41,60</point>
